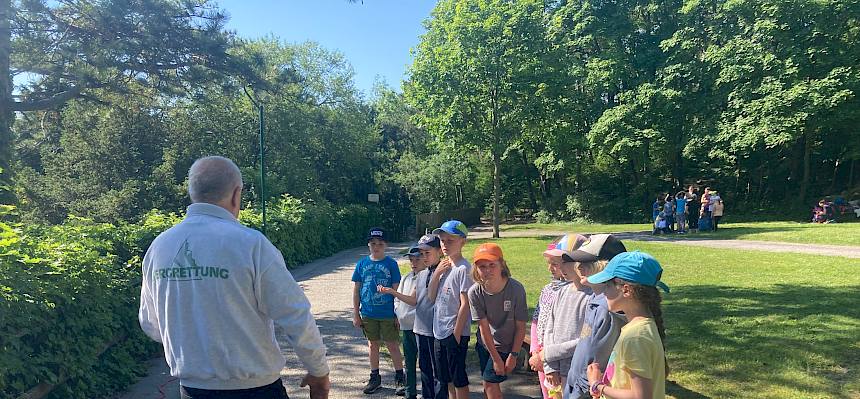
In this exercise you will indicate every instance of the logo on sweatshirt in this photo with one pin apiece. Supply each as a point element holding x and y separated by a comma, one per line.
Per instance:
<point>186,268</point>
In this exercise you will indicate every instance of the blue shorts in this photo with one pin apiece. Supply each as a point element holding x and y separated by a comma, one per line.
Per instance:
<point>451,358</point>
<point>488,373</point>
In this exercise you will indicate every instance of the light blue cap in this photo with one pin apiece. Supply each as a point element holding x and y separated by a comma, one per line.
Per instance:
<point>453,227</point>
<point>635,267</point>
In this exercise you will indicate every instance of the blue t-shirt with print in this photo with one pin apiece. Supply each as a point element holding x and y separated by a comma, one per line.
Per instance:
<point>372,273</point>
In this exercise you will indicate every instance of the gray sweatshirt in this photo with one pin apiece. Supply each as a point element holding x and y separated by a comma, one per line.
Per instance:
<point>213,292</point>
<point>563,329</point>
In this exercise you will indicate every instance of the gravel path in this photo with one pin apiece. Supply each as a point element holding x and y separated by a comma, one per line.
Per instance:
<point>327,284</point>
<point>692,239</point>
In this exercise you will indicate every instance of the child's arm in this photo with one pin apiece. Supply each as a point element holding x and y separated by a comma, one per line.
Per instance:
<point>487,339</point>
<point>356,301</point>
<point>463,315</point>
<point>433,288</point>
<point>640,387</point>
<point>511,363</point>
<point>411,299</point>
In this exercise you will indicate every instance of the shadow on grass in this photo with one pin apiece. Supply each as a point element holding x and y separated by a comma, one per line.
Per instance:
<point>795,337</point>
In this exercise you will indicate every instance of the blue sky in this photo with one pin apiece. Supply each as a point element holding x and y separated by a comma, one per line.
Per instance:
<point>375,36</point>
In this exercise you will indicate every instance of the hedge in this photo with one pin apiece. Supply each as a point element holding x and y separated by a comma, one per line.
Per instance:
<point>69,293</point>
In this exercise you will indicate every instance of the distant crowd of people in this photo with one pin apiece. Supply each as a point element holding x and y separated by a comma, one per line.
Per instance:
<point>828,211</point>
<point>687,211</point>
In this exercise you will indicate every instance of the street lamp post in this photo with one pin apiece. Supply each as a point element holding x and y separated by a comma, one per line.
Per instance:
<point>262,157</point>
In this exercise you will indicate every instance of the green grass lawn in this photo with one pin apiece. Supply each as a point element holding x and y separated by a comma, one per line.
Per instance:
<point>804,233</point>
<point>744,324</point>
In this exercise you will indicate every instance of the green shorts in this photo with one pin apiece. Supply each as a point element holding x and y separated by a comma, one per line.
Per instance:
<point>380,329</point>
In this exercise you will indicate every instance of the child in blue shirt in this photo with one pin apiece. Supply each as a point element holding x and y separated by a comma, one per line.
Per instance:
<point>373,311</point>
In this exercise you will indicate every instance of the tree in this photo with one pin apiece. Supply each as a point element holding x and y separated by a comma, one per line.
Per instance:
<point>68,49</point>
<point>474,75</point>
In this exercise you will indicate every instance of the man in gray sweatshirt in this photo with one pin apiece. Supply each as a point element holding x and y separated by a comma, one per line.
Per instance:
<point>213,292</point>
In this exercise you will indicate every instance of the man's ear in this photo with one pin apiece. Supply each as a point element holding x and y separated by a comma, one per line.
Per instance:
<point>236,201</point>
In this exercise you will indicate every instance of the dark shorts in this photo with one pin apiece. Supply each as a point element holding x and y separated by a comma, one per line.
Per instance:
<point>380,329</point>
<point>451,358</point>
<point>274,390</point>
<point>488,373</point>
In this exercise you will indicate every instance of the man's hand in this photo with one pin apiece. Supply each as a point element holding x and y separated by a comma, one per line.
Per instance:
<point>457,338</point>
<point>319,386</point>
<point>510,364</point>
<point>384,290</point>
<point>356,321</point>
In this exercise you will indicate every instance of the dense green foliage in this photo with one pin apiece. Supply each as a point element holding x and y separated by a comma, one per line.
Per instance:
<point>596,106</point>
<point>69,293</point>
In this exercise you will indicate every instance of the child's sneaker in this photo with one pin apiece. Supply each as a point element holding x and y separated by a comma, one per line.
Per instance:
<point>400,383</point>
<point>373,384</point>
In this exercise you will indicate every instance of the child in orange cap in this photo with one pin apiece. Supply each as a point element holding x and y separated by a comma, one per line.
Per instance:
<point>498,304</point>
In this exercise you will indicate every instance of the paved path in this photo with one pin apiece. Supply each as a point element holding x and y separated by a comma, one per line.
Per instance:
<point>692,239</point>
<point>327,284</point>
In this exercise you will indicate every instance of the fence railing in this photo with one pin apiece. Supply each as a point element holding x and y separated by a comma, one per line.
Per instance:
<point>425,222</point>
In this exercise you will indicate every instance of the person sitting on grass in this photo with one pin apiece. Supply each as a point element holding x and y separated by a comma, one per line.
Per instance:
<point>637,367</point>
<point>660,223</point>
<point>498,304</point>
<point>373,312</point>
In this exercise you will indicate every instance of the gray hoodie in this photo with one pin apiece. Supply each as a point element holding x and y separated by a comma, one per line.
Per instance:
<point>563,329</point>
<point>213,292</point>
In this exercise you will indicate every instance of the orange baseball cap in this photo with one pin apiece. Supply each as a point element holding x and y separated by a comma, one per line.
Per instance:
<point>487,251</point>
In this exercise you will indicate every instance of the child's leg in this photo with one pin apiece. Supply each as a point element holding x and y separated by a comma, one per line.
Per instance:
<point>459,377</point>
<point>492,390</point>
<point>396,356</point>
<point>410,356</point>
<point>373,349</point>
<point>426,357</point>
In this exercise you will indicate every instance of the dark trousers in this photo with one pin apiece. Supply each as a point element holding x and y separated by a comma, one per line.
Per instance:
<point>410,354</point>
<point>717,221</point>
<point>429,369</point>
<point>274,390</point>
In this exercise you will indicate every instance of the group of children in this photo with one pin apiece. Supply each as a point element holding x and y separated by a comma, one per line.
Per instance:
<point>597,330</point>
<point>687,210</point>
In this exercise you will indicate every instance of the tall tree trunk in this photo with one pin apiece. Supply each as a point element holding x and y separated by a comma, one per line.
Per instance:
<point>497,182</point>
<point>807,154</point>
<point>851,174</point>
<point>6,117</point>
<point>528,173</point>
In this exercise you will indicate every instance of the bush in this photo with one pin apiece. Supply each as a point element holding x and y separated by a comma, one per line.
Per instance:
<point>69,293</point>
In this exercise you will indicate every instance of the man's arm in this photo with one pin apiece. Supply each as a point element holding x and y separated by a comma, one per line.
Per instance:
<point>146,314</point>
<point>281,299</point>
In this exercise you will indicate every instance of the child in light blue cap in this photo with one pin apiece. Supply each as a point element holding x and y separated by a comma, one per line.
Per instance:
<point>638,360</point>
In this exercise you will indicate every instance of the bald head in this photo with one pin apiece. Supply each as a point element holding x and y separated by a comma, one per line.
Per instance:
<point>213,179</point>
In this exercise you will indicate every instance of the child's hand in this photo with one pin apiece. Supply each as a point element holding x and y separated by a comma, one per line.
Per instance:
<point>499,367</point>
<point>594,373</point>
<point>444,266</point>
<point>383,289</point>
<point>510,364</point>
<point>553,379</point>
<point>536,362</point>
<point>356,321</point>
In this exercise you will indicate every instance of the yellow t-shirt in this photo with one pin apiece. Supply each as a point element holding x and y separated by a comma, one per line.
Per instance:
<point>638,351</point>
